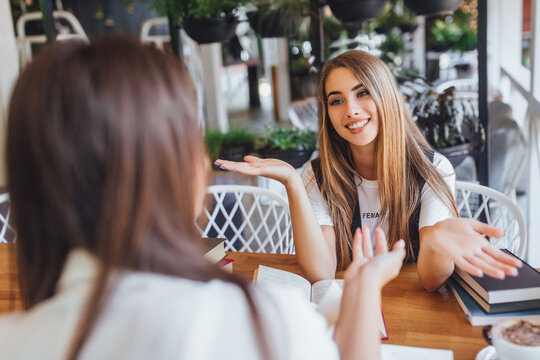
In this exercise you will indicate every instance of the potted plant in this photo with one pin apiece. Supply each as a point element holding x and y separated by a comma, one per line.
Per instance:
<point>205,21</point>
<point>291,145</point>
<point>277,18</point>
<point>450,124</point>
<point>396,15</point>
<point>454,35</point>
<point>356,10</point>
<point>232,145</point>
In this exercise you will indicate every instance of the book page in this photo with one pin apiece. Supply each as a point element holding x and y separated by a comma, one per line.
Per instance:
<point>399,352</point>
<point>270,275</point>
<point>327,295</point>
<point>320,288</point>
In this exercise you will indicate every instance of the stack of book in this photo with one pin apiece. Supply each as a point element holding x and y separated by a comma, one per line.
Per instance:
<point>487,300</point>
<point>215,252</point>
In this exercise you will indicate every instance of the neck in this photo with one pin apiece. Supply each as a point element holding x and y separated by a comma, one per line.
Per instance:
<point>365,160</point>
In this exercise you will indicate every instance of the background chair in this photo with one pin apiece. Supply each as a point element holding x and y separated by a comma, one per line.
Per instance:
<point>508,150</point>
<point>69,28</point>
<point>490,206</point>
<point>7,233</point>
<point>303,114</point>
<point>252,219</point>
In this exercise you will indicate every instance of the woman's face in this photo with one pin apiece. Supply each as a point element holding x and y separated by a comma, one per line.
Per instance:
<point>352,111</point>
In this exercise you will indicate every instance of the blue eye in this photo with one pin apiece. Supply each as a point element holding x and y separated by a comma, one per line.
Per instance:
<point>335,102</point>
<point>362,93</point>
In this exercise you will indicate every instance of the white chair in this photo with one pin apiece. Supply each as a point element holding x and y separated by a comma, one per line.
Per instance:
<point>25,42</point>
<point>303,114</point>
<point>150,32</point>
<point>507,156</point>
<point>7,233</point>
<point>252,219</point>
<point>490,206</point>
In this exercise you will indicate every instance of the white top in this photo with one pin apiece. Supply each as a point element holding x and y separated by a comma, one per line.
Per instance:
<point>432,208</point>
<point>152,316</point>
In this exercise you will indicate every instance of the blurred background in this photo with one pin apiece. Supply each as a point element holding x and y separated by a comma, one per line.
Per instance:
<point>466,69</point>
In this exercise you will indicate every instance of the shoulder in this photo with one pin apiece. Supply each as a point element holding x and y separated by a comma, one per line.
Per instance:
<point>187,307</point>
<point>443,165</point>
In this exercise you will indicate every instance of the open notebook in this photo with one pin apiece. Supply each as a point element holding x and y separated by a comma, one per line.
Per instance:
<point>326,294</point>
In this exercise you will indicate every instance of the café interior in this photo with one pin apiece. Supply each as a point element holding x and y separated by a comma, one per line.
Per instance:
<point>467,70</point>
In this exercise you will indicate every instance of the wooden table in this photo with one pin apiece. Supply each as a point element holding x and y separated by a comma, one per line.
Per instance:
<point>413,316</point>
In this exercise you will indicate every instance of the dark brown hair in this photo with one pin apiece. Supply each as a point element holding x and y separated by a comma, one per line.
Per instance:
<point>103,148</point>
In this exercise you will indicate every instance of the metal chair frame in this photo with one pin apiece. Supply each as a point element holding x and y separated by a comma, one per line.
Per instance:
<point>488,205</point>
<point>5,228</point>
<point>265,224</point>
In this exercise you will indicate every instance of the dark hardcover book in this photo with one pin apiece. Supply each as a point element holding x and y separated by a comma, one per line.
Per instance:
<point>523,287</point>
<point>477,316</point>
<point>497,308</point>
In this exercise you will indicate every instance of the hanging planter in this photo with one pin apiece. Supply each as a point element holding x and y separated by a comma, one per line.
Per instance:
<point>356,10</point>
<point>273,23</point>
<point>457,153</point>
<point>431,7</point>
<point>214,30</point>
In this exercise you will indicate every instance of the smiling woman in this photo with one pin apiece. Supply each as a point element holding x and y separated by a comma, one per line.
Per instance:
<point>351,108</point>
<point>376,171</point>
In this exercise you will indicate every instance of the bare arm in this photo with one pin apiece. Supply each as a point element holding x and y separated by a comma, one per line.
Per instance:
<point>357,330</point>
<point>315,245</point>
<point>461,242</point>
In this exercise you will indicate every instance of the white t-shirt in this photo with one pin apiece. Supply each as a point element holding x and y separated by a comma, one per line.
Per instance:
<point>432,208</point>
<point>151,316</point>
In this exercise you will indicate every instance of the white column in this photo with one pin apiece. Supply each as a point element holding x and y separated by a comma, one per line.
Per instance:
<point>215,106</point>
<point>419,45</point>
<point>9,70</point>
<point>284,82</point>
<point>276,54</point>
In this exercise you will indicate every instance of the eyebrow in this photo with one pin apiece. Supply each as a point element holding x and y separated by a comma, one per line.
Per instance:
<point>338,92</point>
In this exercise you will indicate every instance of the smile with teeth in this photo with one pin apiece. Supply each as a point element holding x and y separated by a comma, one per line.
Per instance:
<point>358,125</point>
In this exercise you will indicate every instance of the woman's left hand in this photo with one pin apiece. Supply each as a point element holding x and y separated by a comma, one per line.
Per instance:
<point>464,242</point>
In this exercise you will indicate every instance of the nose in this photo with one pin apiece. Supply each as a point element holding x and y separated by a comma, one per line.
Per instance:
<point>353,109</point>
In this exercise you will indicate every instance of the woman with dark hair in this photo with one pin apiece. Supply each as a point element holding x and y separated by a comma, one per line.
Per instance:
<point>107,172</point>
<point>376,169</point>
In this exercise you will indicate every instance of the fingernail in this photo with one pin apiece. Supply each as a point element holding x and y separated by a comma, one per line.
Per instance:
<point>216,163</point>
<point>235,171</point>
<point>221,167</point>
<point>515,272</point>
<point>480,274</point>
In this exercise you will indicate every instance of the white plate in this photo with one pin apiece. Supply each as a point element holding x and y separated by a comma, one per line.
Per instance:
<point>487,353</point>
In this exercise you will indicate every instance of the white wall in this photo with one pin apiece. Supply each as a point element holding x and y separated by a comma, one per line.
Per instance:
<point>518,89</point>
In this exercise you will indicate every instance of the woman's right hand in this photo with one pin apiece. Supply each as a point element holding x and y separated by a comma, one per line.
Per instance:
<point>381,268</point>
<point>356,333</point>
<point>271,168</point>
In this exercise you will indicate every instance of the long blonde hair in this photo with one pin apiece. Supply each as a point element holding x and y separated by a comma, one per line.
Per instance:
<point>402,163</point>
